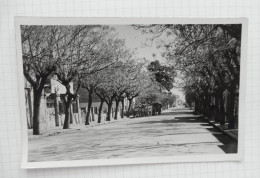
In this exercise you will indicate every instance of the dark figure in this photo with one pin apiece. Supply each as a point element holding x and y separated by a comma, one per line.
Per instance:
<point>157,108</point>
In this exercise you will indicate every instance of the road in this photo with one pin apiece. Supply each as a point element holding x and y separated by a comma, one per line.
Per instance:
<point>175,132</point>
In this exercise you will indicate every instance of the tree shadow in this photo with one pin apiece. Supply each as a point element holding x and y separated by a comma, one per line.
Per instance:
<point>229,144</point>
<point>226,143</point>
<point>185,119</point>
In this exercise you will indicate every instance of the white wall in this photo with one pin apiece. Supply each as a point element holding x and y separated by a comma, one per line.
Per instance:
<point>56,85</point>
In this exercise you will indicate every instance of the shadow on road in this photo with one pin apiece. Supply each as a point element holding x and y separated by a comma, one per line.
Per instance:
<point>186,119</point>
<point>176,113</point>
<point>227,144</point>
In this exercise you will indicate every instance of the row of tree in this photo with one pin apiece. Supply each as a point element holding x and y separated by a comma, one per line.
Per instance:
<point>72,54</point>
<point>90,57</point>
<point>207,59</point>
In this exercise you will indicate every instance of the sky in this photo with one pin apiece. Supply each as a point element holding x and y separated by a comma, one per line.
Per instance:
<point>135,39</point>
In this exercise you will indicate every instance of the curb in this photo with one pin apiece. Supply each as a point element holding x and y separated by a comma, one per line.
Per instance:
<point>231,135</point>
<point>51,134</point>
<point>33,137</point>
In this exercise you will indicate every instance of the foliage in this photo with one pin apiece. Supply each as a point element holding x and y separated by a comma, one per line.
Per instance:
<point>207,57</point>
<point>162,74</point>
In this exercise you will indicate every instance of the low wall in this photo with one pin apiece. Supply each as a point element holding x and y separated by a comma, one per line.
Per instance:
<point>47,118</point>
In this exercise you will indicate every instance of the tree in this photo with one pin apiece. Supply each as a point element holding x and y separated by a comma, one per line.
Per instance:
<point>38,62</point>
<point>150,90</point>
<point>167,100</point>
<point>126,77</point>
<point>105,93</point>
<point>218,54</point>
<point>162,74</point>
<point>113,49</point>
<point>207,57</point>
<point>80,53</point>
<point>137,86</point>
<point>112,89</point>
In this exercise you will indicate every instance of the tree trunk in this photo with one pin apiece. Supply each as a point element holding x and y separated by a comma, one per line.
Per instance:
<point>203,104</point>
<point>231,117</point>
<point>222,110</point>
<point>129,106</point>
<point>196,106</point>
<point>66,124</point>
<point>100,111</point>
<point>37,93</point>
<point>109,108</point>
<point>79,110</point>
<point>89,107</point>
<point>93,115</point>
<point>61,119</point>
<point>36,111</point>
<point>208,105</point>
<point>123,108</point>
<point>68,100</point>
<point>116,110</point>
<point>71,115</point>
<point>211,108</point>
<point>216,112</point>
<point>30,108</point>
<point>56,109</point>
<point>153,110</point>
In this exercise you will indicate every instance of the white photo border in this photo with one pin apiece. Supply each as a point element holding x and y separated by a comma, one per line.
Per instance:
<point>128,21</point>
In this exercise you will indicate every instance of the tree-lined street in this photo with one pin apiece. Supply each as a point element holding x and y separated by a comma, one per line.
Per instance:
<point>201,60</point>
<point>124,79</point>
<point>176,132</point>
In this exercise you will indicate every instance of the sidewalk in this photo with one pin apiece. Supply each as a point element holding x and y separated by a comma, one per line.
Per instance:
<point>56,131</point>
<point>233,133</point>
<point>73,128</point>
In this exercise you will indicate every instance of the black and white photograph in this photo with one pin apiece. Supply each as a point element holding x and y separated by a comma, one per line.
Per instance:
<point>121,92</point>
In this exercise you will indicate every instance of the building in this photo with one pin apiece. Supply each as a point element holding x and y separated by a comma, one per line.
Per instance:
<point>52,109</point>
<point>52,106</point>
<point>96,104</point>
